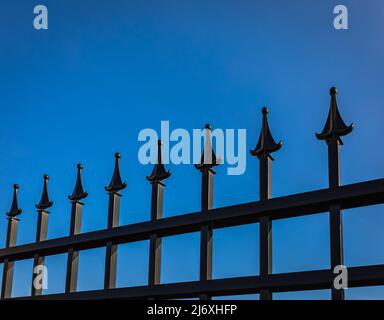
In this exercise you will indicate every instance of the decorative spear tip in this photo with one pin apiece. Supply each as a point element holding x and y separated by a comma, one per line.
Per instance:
<point>265,110</point>
<point>15,210</point>
<point>335,126</point>
<point>116,183</point>
<point>266,144</point>
<point>78,192</point>
<point>333,91</point>
<point>44,203</point>
<point>159,172</point>
<point>267,151</point>
<point>213,161</point>
<point>208,126</point>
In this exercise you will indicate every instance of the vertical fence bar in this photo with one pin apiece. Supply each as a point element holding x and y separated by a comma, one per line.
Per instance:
<point>111,248</point>
<point>42,223</point>
<point>265,146</point>
<point>73,255</point>
<point>155,243</point>
<point>333,130</point>
<point>265,223</point>
<point>158,174</point>
<point>113,189</point>
<point>335,214</point>
<point>206,232</point>
<point>41,235</point>
<point>8,266</point>
<point>75,228</point>
<point>208,161</point>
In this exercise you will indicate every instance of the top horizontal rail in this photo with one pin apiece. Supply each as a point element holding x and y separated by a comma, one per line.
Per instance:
<point>348,196</point>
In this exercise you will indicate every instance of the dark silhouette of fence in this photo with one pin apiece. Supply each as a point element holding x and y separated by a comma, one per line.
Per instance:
<point>267,209</point>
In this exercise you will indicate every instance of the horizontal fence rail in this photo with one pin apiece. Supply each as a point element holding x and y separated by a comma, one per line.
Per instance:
<point>349,196</point>
<point>285,282</point>
<point>331,200</point>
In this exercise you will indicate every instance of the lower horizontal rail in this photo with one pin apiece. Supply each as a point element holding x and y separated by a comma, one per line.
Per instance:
<point>295,281</point>
<point>348,196</point>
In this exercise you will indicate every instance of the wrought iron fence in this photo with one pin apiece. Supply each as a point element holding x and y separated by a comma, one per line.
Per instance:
<point>333,200</point>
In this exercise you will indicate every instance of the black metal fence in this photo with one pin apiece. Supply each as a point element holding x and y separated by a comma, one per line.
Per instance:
<point>333,200</point>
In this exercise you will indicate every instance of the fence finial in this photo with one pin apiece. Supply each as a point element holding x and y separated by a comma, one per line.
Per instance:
<point>335,126</point>
<point>15,210</point>
<point>212,161</point>
<point>78,192</point>
<point>44,203</point>
<point>266,144</point>
<point>159,173</point>
<point>116,183</point>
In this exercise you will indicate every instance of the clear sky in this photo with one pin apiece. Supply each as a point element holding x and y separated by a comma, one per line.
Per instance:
<point>104,70</point>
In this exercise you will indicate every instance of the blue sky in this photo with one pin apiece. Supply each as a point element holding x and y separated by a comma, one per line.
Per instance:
<point>104,70</point>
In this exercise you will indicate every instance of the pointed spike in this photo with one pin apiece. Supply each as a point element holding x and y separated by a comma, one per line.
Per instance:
<point>266,144</point>
<point>116,183</point>
<point>15,210</point>
<point>44,203</point>
<point>159,173</point>
<point>159,156</point>
<point>335,125</point>
<point>78,192</point>
<point>214,161</point>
